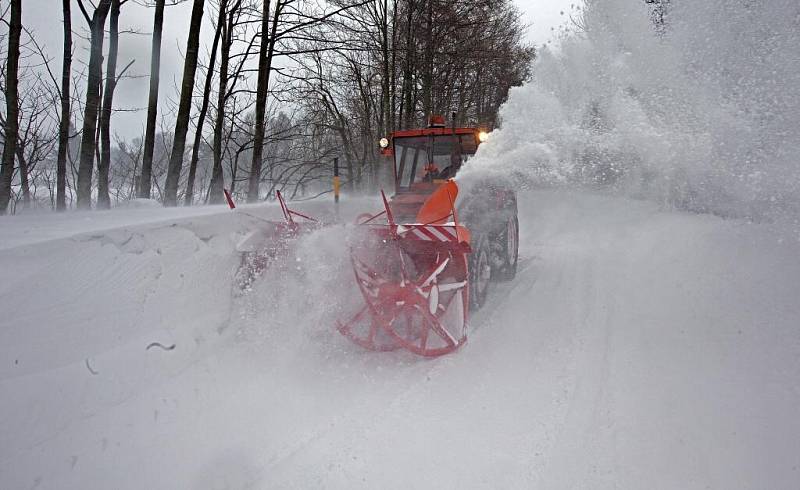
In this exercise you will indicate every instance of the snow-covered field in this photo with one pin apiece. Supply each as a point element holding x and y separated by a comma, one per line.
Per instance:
<point>636,348</point>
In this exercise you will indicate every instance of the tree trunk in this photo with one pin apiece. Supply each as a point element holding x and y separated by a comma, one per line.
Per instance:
<point>24,181</point>
<point>152,102</point>
<point>184,106</point>
<point>393,70</point>
<point>385,125</point>
<point>387,110</point>
<point>92,105</point>
<point>215,195</point>
<point>264,67</point>
<point>11,128</point>
<point>201,118</point>
<point>63,127</point>
<point>103,199</point>
<point>409,102</point>
<point>427,74</point>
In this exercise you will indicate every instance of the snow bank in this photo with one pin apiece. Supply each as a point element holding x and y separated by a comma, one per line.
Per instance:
<point>102,311</point>
<point>28,229</point>
<point>704,118</point>
<point>85,284</point>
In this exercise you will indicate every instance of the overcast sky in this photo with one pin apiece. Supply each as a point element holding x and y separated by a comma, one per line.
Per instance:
<point>544,16</point>
<point>43,17</point>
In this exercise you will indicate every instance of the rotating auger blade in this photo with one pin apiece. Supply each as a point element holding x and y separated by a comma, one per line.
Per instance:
<point>414,281</point>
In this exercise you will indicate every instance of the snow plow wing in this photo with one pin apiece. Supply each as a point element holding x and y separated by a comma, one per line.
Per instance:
<point>259,248</point>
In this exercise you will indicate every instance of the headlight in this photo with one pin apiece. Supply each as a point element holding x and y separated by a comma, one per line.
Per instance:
<point>384,142</point>
<point>483,136</point>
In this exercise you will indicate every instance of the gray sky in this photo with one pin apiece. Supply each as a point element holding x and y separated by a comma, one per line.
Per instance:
<point>43,17</point>
<point>544,16</point>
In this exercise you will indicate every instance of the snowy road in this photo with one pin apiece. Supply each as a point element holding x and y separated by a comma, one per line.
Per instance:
<point>635,349</point>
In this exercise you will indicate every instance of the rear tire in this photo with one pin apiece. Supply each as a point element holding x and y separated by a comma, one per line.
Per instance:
<point>480,272</point>
<point>508,242</point>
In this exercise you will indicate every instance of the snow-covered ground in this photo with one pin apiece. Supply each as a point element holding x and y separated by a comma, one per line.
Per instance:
<point>636,348</point>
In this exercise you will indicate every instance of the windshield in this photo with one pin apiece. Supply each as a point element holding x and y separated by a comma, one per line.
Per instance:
<point>421,158</point>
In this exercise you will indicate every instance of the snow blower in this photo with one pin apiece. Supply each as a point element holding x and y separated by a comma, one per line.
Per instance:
<point>422,270</point>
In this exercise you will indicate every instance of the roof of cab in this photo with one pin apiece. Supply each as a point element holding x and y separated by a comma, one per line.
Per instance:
<point>434,132</point>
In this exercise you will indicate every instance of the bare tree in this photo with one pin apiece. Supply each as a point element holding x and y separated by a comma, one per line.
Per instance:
<point>184,106</point>
<point>129,156</point>
<point>201,117</point>
<point>103,198</point>
<point>289,21</point>
<point>354,70</point>
<point>152,101</point>
<point>11,127</point>
<point>37,133</point>
<point>91,108</point>
<point>264,67</point>
<point>215,195</point>
<point>63,128</point>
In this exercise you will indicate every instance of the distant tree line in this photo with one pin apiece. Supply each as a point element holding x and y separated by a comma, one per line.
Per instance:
<point>283,87</point>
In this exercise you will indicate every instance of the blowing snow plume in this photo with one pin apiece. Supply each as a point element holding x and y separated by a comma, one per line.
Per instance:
<point>701,114</point>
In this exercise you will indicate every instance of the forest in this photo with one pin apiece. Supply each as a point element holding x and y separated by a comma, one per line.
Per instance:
<point>279,90</point>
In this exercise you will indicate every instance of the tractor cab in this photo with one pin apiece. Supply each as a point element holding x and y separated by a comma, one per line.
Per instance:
<point>426,158</point>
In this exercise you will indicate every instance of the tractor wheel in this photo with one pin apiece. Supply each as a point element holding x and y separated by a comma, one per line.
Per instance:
<point>480,271</point>
<point>508,250</point>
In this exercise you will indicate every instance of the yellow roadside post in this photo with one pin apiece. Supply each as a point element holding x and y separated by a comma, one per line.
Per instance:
<point>336,180</point>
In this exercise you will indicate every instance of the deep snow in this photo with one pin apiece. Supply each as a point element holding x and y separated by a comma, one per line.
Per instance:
<point>640,346</point>
<point>636,349</point>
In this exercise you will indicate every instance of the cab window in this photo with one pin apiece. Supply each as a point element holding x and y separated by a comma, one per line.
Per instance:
<point>431,157</point>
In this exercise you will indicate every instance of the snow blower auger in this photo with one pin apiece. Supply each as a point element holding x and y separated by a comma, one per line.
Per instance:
<point>266,244</point>
<point>423,271</point>
<point>414,280</point>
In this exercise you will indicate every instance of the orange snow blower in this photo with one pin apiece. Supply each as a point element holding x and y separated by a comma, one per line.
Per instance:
<point>421,271</point>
